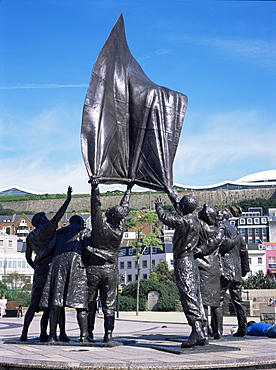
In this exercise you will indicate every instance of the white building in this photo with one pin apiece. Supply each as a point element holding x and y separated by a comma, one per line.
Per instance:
<point>11,260</point>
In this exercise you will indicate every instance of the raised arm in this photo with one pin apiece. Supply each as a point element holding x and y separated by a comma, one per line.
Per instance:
<point>63,208</point>
<point>166,217</point>
<point>174,198</point>
<point>125,200</point>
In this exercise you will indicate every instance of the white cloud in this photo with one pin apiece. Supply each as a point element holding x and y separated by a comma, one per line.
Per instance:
<point>154,53</point>
<point>226,144</point>
<point>260,52</point>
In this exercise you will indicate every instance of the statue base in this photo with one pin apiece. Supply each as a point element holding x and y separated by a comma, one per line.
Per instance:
<point>73,342</point>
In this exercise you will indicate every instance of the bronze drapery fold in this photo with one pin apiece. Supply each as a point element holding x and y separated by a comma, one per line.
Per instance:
<point>130,126</point>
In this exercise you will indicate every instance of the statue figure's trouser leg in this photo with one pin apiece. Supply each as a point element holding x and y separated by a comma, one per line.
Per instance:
<point>54,320</point>
<point>102,279</point>
<point>39,279</point>
<point>235,290</point>
<point>44,324</point>
<point>93,281</point>
<point>82,321</point>
<point>217,322</point>
<point>27,321</point>
<point>188,284</point>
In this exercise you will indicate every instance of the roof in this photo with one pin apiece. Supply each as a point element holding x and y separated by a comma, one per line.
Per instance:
<point>17,190</point>
<point>263,179</point>
<point>263,176</point>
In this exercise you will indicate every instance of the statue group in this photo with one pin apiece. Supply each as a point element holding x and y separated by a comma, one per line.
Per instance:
<point>210,257</point>
<point>130,133</point>
<point>73,265</point>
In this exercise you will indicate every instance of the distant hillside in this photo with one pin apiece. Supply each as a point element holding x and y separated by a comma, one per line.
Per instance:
<point>142,200</point>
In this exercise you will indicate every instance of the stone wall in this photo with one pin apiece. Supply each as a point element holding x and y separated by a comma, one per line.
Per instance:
<point>144,200</point>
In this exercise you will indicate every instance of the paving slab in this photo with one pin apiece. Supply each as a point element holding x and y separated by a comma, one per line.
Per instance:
<point>150,340</point>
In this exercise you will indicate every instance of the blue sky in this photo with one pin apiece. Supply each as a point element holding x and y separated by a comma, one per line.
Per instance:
<point>221,54</point>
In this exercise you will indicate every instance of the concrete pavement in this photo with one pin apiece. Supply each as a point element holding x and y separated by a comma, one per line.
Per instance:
<point>150,341</point>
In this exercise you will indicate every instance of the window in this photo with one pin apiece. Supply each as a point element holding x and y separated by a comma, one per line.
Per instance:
<point>123,251</point>
<point>154,249</point>
<point>264,235</point>
<point>249,221</point>
<point>144,263</point>
<point>145,276</point>
<point>126,235</point>
<point>146,251</point>
<point>260,260</point>
<point>153,262</point>
<point>1,243</point>
<point>256,220</point>
<point>263,220</point>
<point>233,223</point>
<point>122,265</point>
<point>129,278</point>
<point>242,231</point>
<point>171,262</point>
<point>271,259</point>
<point>249,231</point>
<point>129,264</point>
<point>242,221</point>
<point>9,243</point>
<point>130,252</point>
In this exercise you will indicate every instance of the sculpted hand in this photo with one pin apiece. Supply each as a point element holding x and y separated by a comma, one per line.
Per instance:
<point>158,202</point>
<point>130,185</point>
<point>69,192</point>
<point>94,181</point>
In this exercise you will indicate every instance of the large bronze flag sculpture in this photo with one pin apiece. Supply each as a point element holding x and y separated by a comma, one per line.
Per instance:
<point>130,125</point>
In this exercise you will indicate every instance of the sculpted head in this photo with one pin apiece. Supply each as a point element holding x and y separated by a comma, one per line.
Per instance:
<point>115,214</point>
<point>187,204</point>
<point>76,220</point>
<point>223,215</point>
<point>39,219</point>
<point>208,214</point>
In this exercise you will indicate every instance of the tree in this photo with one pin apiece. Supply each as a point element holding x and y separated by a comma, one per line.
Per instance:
<point>161,272</point>
<point>257,202</point>
<point>168,299</point>
<point>17,281</point>
<point>6,211</point>
<point>258,281</point>
<point>138,221</point>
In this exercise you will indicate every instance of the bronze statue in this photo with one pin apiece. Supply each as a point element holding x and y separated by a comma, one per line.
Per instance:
<point>185,240</point>
<point>101,258</point>
<point>66,284</point>
<point>36,241</point>
<point>235,265</point>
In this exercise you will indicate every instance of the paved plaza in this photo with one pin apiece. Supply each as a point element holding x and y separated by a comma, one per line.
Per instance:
<point>150,340</point>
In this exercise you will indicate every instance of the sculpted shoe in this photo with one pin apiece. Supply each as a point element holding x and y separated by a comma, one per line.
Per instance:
<point>86,339</point>
<point>23,338</point>
<point>44,337</point>
<point>239,333</point>
<point>190,343</point>
<point>64,338</point>
<point>53,340</point>
<point>108,337</point>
